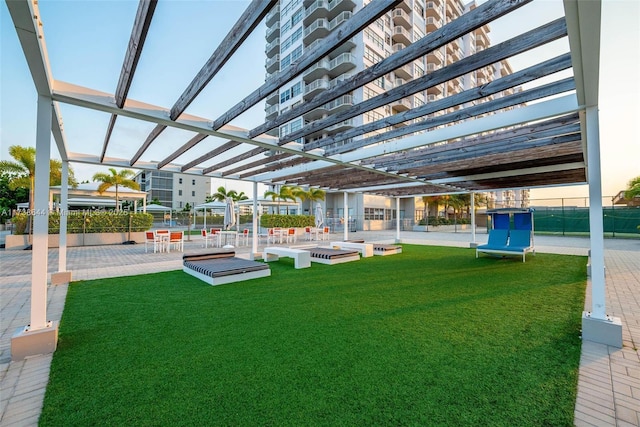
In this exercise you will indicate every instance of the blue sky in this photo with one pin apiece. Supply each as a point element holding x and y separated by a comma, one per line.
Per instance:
<point>86,42</point>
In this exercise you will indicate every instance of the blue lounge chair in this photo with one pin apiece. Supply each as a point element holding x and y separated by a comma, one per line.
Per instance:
<point>505,242</point>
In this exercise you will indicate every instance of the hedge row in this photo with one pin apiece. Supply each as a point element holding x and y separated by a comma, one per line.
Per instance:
<point>286,221</point>
<point>90,222</point>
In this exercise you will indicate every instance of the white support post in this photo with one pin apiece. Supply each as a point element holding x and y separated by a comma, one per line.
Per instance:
<point>41,216</point>
<point>473,217</point>
<point>346,216</point>
<point>596,325</point>
<point>254,240</point>
<point>40,336</point>
<point>397,219</point>
<point>64,210</point>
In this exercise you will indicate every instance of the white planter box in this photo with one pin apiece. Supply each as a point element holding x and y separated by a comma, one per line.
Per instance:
<point>88,239</point>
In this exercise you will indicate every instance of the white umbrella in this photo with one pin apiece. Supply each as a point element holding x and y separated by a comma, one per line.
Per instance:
<point>229,214</point>
<point>319,216</point>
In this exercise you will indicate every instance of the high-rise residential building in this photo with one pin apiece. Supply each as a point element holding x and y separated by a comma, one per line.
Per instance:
<point>174,190</point>
<point>296,25</point>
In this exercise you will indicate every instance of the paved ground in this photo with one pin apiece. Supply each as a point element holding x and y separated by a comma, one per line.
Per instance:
<point>609,383</point>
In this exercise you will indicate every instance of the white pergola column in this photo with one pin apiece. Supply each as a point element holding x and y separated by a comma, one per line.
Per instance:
<point>397,219</point>
<point>40,336</point>
<point>597,326</point>
<point>346,216</point>
<point>63,276</point>
<point>254,231</point>
<point>473,217</point>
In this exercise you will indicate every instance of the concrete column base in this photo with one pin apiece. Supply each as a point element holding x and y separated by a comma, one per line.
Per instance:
<point>25,343</point>
<point>473,245</point>
<point>60,278</point>
<point>603,331</point>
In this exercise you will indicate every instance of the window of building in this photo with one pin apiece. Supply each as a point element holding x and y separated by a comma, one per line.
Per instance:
<point>179,192</point>
<point>295,125</point>
<point>179,180</point>
<point>296,89</point>
<point>193,182</point>
<point>193,193</point>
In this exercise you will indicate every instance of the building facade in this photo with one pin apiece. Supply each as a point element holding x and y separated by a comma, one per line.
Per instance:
<point>174,190</point>
<point>296,25</point>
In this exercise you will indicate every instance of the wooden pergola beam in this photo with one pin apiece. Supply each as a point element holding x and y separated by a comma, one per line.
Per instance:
<point>512,80</point>
<point>344,32</point>
<point>474,19</point>
<point>517,45</point>
<point>561,125</point>
<point>484,108</point>
<point>248,21</point>
<point>141,24</point>
<point>251,165</point>
<point>210,155</point>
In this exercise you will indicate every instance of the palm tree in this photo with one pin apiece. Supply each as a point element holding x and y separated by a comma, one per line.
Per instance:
<point>23,170</point>
<point>116,179</point>
<point>286,193</point>
<point>633,189</point>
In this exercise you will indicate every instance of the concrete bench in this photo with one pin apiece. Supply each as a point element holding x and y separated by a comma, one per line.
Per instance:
<point>365,249</point>
<point>301,258</point>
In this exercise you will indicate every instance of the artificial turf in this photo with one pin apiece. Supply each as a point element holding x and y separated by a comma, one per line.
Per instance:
<point>429,337</point>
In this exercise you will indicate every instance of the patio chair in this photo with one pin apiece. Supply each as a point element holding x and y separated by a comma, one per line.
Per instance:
<point>272,235</point>
<point>307,233</point>
<point>244,236</point>
<point>206,237</point>
<point>176,239</point>
<point>291,235</point>
<point>150,238</point>
<point>324,231</point>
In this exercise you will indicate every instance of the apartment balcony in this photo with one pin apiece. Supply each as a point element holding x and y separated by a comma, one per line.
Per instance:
<point>404,72</point>
<point>272,64</point>
<point>404,5</point>
<point>316,71</point>
<point>339,104</point>
<point>341,64</point>
<point>271,112</point>
<point>434,90</point>
<point>338,80</point>
<point>273,98</point>
<point>435,57</point>
<point>398,47</point>
<point>273,15</point>
<point>340,127</point>
<point>273,47</point>
<point>432,98</point>
<point>339,19</point>
<point>482,40</point>
<point>399,82</point>
<point>314,115</point>
<point>316,10</point>
<point>273,32</point>
<point>433,24</point>
<point>338,6</point>
<point>401,105</point>
<point>401,18</point>
<point>434,10</point>
<point>315,87</point>
<point>431,67</point>
<point>317,30</point>
<point>345,47</point>
<point>453,46</point>
<point>401,35</point>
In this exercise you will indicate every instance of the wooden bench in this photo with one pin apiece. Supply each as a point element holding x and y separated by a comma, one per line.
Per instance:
<point>301,258</point>
<point>365,249</point>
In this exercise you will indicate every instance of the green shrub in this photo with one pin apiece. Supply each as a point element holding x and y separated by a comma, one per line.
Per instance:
<point>94,222</point>
<point>286,221</point>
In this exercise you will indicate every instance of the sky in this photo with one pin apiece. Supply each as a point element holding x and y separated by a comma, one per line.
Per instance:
<point>86,41</point>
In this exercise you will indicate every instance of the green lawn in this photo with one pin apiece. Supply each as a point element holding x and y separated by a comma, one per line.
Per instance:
<point>429,337</point>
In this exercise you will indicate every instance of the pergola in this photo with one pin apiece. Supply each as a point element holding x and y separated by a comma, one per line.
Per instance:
<point>475,140</point>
